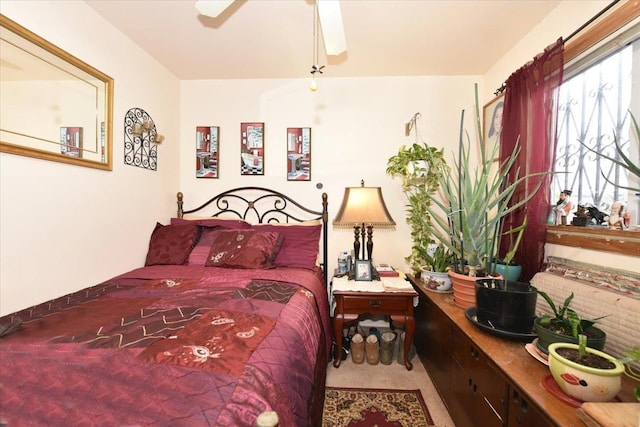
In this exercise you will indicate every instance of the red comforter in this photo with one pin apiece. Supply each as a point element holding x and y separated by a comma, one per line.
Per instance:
<point>171,346</point>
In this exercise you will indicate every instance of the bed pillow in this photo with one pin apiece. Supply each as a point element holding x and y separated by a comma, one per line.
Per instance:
<point>200,252</point>
<point>300,243</point>
<point>244,249</point>
<point>171,244</point>
<point>213,222</point>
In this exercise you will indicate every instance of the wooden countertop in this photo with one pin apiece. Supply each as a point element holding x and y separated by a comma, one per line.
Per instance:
<point>515,362</point>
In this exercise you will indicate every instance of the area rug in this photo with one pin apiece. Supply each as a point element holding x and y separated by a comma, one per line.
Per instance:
<point>353,407</point>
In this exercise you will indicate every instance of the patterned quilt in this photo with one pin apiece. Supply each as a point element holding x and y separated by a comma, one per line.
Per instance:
<point>171,346</point>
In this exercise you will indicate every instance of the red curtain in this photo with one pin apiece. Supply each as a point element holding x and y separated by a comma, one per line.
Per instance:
<point>529,117</point>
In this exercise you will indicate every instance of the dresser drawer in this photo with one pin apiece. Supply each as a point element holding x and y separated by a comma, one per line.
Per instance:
<point>376,304</point>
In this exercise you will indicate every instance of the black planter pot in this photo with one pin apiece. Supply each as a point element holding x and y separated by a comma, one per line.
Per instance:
<point>596,338</point>
<point>511,310</point>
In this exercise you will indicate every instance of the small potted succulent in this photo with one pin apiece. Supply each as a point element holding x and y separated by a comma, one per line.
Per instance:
<point>565,326</point>
<point>631,363</point>
<point>585,373</point>
<point>435,273</point>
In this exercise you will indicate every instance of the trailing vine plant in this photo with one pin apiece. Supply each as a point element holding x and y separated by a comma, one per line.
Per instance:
<point>420,167</point>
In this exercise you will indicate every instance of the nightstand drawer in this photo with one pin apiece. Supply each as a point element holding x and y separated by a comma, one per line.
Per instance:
<point>373,303</point>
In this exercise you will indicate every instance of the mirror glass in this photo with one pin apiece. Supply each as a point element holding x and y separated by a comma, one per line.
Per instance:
<point>53,105</point>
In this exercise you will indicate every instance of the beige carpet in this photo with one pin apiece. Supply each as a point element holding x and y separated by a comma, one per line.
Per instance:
<point>392,376</point>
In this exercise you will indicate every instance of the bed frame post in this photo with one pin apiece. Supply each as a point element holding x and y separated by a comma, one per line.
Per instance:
<point>180,211</point>
<point>325,234</point>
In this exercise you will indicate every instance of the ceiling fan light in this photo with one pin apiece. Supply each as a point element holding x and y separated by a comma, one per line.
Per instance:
<point>212,8</point>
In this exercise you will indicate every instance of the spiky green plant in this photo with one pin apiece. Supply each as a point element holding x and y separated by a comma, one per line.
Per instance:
<point>468,217</point>
<point>624,162</point>
<point>632,357</point>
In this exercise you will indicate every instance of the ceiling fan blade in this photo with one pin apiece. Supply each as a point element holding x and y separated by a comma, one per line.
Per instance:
<point>332,27</point>
<point>212,8</point>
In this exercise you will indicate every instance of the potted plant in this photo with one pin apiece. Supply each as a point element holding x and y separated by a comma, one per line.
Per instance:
<point>438,262</point>
<point>631,362</point>
<point>468,216</point>
<point>621,159</point>
<point>418,165</point>
<point>565,326</point>
<point>585,373</point>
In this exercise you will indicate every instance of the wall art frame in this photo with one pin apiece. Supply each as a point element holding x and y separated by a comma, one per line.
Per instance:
<point>252,148</point>
<point>299,154</point>
<point>207,151</point>
<point>492,122</point>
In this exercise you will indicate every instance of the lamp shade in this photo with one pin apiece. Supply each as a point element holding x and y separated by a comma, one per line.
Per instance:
<point>363,205</point>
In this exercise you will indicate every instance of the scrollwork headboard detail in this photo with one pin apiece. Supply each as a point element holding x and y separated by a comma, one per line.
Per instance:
<point>261,205</point>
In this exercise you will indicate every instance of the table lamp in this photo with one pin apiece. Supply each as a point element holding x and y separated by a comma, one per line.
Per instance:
<point>363,208</point>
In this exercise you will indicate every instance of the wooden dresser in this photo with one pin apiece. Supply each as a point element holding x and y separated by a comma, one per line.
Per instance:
<point>482,379</point>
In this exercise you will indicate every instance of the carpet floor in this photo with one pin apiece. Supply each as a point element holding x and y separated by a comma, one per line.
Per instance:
<point>352,407</point>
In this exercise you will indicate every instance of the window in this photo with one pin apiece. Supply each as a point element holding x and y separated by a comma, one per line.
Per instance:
<point>599,90</point>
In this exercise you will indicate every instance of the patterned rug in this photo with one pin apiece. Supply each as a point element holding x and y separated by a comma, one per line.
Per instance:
<point>353,407</point>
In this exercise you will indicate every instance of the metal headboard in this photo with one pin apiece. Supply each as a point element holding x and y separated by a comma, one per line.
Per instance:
<point>262,205</point>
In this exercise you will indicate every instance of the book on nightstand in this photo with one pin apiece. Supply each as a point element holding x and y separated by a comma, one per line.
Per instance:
<point>385,270</point>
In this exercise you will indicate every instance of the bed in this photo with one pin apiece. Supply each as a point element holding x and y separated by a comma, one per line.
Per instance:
<point>227,321</point>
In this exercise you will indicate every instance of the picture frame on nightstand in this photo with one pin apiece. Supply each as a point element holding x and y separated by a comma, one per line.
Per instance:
<point>362,270</point>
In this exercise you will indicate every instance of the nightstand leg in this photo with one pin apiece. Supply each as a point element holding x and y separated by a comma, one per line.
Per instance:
<point>410,328</point>
<point>338,321</point>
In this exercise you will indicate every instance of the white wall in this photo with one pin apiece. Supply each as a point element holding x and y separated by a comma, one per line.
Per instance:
<point>567,17</point>
<point>67,227</point>
<point>357,124</point>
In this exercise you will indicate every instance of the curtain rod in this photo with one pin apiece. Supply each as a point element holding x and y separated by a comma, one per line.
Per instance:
<point>572,35</point>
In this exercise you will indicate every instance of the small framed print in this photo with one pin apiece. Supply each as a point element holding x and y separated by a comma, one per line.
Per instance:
<point>363,270</point>
<point>252,149</point>
<point>71,141</point>
<point>207,151</point>
<point>492,123</point>
<point>298,154</point>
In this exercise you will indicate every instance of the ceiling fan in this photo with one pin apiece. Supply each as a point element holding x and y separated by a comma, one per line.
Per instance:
<point>329,14</point>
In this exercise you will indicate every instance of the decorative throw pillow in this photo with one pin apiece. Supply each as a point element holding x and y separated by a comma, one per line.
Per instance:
<point>171,244</point>
<point>244,249</point>
<point>200,252</point>
<point>300,243</point>
<point>233,223</point>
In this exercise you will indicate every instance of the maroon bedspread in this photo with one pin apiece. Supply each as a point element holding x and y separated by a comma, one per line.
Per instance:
<point>171,346</point>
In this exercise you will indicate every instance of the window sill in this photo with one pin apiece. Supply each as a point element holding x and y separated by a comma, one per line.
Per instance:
<point>599,239</point>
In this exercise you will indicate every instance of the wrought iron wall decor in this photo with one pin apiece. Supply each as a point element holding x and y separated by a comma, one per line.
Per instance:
<point>140,139</point>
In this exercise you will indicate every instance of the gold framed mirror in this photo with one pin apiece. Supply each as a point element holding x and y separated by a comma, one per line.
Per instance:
<point>53,106</point>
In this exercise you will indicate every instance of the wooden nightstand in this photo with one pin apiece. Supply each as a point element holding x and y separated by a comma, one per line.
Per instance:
<point>355,300</point>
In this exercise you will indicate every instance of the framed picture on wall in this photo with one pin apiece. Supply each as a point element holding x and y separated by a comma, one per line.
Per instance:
<point>252,148</point>
<point>207,151</point>
<point>71,141</point>
<point>492,122</point>
<point>298,154</point>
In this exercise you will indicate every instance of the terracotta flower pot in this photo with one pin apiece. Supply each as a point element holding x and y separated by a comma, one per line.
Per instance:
<point>464,289</point>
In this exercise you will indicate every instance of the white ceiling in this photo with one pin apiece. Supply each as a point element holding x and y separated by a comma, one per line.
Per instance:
<point>274,38</point>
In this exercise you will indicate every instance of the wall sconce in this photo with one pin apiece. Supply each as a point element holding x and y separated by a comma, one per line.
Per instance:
<point>140,139</point>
